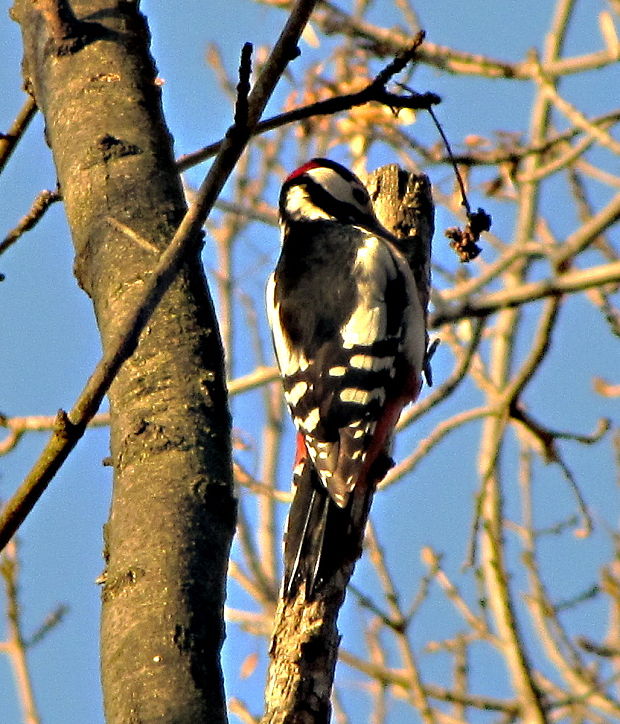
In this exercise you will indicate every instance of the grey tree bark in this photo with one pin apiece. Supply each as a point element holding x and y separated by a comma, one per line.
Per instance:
<point>173,512</point>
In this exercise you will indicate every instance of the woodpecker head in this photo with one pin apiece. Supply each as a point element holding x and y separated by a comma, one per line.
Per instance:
<point>323,190</point>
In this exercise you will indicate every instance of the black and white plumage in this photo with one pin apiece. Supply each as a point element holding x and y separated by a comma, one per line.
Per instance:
<point>349,333</point>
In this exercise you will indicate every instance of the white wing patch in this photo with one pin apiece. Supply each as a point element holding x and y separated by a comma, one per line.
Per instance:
<point>308,423</point>
<point>296,393</point>
<point>370,363</point>
<point>414,321</point>
<point>337,371</point>
<point>362,397</point>
<point>365,325</point>
<point>374,269</point>
<point>378,263</point>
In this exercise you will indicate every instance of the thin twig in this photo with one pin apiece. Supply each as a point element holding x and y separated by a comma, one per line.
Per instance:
<point>557,643</point>
<point>242,110</point>
<point>15,646</point>
<point>575,116</point>
<point>333,20</point>
<point>451,383</point>
<point>266,589</point>
<point>568,283</point>
<point>428,443</point>
<point>18,426</point>
<point>417,694</point>
<point>240,710</point>
<point>10,139</point>
<point>459,178</point>
<point>374,91</point>
<point>39,206</point>
<point>514,154</point>
<point>257,487</point>
<point>398,678</point>
<point>431,559</point>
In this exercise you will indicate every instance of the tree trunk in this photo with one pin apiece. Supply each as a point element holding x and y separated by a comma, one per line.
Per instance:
<point>173,511</point>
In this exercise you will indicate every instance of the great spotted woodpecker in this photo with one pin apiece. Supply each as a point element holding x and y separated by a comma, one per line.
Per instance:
<point>349,332</point>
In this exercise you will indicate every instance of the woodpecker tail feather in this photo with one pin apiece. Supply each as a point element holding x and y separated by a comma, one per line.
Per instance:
<point>322,538</point>
<point>305,533</point>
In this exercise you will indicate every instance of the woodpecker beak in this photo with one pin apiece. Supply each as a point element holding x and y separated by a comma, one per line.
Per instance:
<point>374,226</point>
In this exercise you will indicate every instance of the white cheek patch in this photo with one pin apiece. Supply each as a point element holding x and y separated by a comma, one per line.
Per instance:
<point>299,205</point>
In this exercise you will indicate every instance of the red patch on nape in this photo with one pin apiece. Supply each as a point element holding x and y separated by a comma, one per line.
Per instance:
<point>314,163</point>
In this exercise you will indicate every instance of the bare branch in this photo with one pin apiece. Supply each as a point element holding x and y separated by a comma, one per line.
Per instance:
<point>15,645</point>
<point>10,139</point>
<point>39,206</point>
<point>397,678</point>
<point>334,20</point>
<point>568,283</point>
<point>374,91</point>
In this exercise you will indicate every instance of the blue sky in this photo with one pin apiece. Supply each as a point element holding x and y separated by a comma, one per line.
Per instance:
<point>50,344</point>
